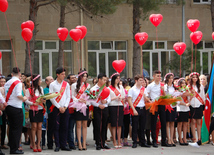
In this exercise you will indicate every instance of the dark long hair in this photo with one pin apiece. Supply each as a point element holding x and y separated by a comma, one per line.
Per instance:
<point>167,80</point>
<point>79,81</point>
<point>35,85</point>
<point>113,80</point>
<point>197,83</point>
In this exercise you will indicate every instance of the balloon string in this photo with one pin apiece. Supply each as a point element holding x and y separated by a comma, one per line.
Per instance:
<point>195,56</point>
<point>30,66</point>
<point>78,57</point>
<point>63,55</point>
<point>81,53</point>
<point>11,40</point>
<point>141,48</point>
<point>192,58</point>
<point>180,65</point>
<point>157,46</point>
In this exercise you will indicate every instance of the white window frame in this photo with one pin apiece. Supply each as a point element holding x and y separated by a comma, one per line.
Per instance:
<point>202,2</point>
<point>49,51</point>
<point>106,51</point>
<point>8,50</point>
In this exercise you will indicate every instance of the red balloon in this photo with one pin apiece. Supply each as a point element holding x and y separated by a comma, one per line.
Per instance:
<point>0,54</point>
<point>141,38</point>
<point>62,33</point>
<point>3,5</point>
<point>156,19</point>
<point>179,47</point>
<point>119,65</point>
<point>105,93</point>
<point>213,35</point>
<point>27,34</point>
<point>75,34</point>
<point>196,37</point>
<point>28,24</point>
<point>193,24</point>
<point>83,29</point>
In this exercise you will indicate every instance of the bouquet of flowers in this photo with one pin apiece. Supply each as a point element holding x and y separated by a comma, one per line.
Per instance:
<point>95,94</point>
<point>162,100</point>
<point>47,96</point>
<point>185,89</point>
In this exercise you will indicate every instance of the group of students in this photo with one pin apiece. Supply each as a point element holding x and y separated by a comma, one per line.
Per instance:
<point>125,105</point>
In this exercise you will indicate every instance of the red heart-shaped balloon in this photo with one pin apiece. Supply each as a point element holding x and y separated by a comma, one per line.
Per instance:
<point>119,65</point>
<point>213,35</point>
<point>179,47</point>
<point>156,19</point>
<point>141,38</point>
<point>0,55</point>
<point>28,24</point>
<point>62,33</point>
<point>196,37</point>
<point>83,29</point>
<point>3,5</point>
<point>75,34</point>
<point>193,24</point>
<point>105,93</point>
<point>27,34</point>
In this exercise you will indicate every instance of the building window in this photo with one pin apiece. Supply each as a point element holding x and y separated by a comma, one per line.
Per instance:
<point>202,1</point>
<point>101,54</point>
<point>46,57</point>
<point>171,1</point>
<point>6,60</point>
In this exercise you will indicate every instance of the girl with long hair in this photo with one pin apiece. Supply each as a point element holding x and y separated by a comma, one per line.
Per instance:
<point>196,101</point>
<point>170,116</point>
<point>82,114</point>
<point>36,111</point>
<point>116,113</point>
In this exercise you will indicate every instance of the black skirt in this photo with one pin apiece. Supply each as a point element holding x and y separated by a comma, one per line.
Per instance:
<point>80,117</point>
<point>183,116</point>
<point>170,117</point>
<point>116,119</point>
<point>212,125</point>
<point>36,116</point>
<point>196,113</point>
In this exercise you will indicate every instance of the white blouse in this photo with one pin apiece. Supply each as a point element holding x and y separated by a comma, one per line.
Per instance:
<point>169,90</point>
<point>74,93</point>
<point>112,95</point>
<point>182,108</point>
<point>195,103</point>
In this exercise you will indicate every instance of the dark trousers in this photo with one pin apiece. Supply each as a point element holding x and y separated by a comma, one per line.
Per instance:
<point>50,130</point>
<point>126,122</point>
<point>100,126</point>
<point>15,118</point>
<point>162,115</point>
<point>3,128</point>
<point>71,126</point>
<point>139,122</point>
<point>43,137</point>
<point>60,127</point>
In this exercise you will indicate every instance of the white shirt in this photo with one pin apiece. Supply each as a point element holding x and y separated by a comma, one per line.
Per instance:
<point>182,108</point>
<point>94,103</point>
<point>153,90</point>
<point>56,87</point>
<point>195,103</point>
<point>36,94</point>
<point>112,95</point>
<point>2,100</point>
<point>134,92</point>
<point>169,90</point>
<point>74,93</point>
<point>14,101</point>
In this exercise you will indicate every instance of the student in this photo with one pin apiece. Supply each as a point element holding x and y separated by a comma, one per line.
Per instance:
<point>136,98</point>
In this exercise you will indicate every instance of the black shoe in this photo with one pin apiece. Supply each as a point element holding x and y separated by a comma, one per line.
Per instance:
<point>50,147</point>
<point>72,147</point>
<point>56,149</point>
<point>173,145</point>
<point>98,147</point>
<point>1,153</point>
<point>17,152</point>
<point>167,145</point>
<point>84,149</point>
<point>181,143</point>
<point>155,145</point>
<point>149,143</point>
<point>145,145</point>
<point>186,144</point>
<point>199,142</point>
<point>66,148</point>
<point>106,147</point>
<point>134,145</point>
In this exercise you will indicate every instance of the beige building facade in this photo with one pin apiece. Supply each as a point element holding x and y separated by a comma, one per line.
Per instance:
<point>108,38</point>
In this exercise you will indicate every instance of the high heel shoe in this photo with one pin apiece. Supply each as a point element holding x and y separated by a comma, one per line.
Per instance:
<point>84,149</point>
<point>35,150</point>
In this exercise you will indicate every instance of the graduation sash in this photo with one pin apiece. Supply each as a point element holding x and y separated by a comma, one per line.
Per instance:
<point>11,89</point>
<point>161,91</point>
<point>82,90</point>
<point>116,92</point>
<point>198,96</point>
<point>62,90</point>
<point>137,100</point>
